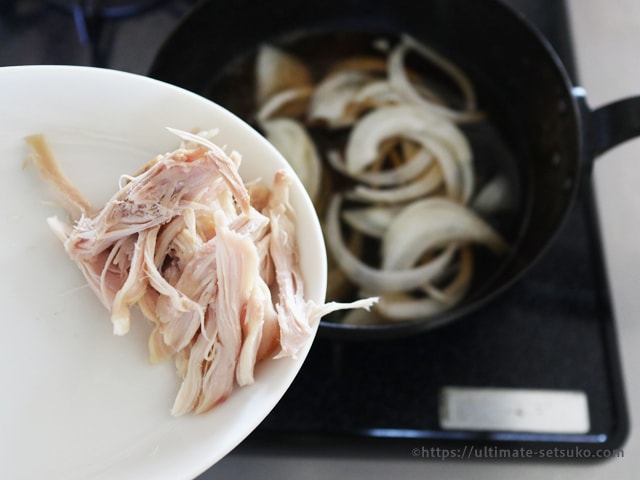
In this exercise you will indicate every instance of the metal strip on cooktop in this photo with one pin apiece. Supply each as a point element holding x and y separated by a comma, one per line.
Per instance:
<point>514,410</point>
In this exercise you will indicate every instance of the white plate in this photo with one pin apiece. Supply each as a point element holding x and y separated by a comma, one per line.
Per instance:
<point>78,402</point>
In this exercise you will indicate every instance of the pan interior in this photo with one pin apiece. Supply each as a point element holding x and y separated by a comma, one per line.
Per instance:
<point>497,145</point>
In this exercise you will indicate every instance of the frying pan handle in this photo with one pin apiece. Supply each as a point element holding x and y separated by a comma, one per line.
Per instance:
<point>613,124</point>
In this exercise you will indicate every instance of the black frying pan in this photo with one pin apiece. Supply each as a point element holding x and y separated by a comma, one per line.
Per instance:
<point>542,121</point>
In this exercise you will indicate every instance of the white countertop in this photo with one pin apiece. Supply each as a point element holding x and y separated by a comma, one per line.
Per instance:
<point>606,44</point>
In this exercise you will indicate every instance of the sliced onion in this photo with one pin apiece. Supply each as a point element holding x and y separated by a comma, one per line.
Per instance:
<point>372,221</point>
<point>284,98</point>
<point>432,223</point>
<point>400,81</point>
<point>373,279</point>
<point>422,186</point>
<point>276,71</point>
<point>494,197</point>
<point>404,307</point>
<point>291,139</point>
<point>332,97</point>
<point>409,170</point>
<point>396,120</point>
<point>455,291</point>
<point>376,93</point>
<point>410,92</point>
<point>457,171</point>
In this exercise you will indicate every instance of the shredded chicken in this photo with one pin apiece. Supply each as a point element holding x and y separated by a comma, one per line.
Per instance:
<point>212,263</point>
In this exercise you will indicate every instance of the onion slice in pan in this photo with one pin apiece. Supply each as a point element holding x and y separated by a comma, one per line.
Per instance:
<point>396,120</point>
<point>456,169</point>
<point>291,139</point>
<point>376,93</point>
<point>374,279</point>
<point>457,288</point>
<point>400,81</point>
<point>433,223</point>
<point>331,98</point>
<point>295,99</point>
<point>277,70</point>
<point>402,307</point>
<point>372,221</point>
<point>420,187</point>
<point>406,172</point>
